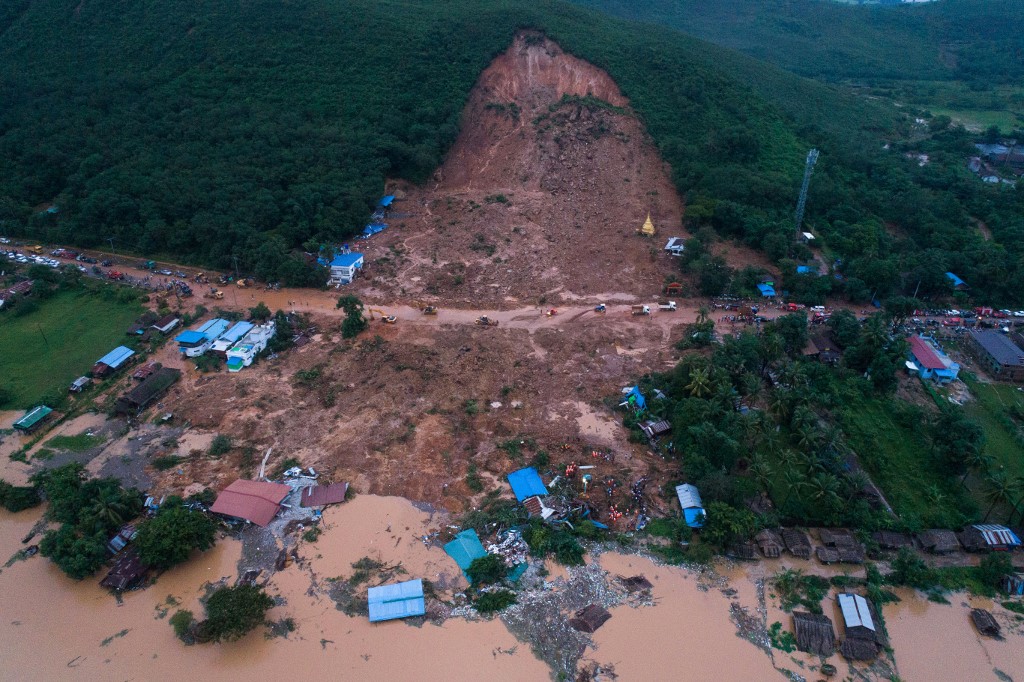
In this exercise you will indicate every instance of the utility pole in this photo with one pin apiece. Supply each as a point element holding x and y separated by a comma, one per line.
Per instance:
<point>44,336</point>
<point>812,158</point>
<point>111,240</point>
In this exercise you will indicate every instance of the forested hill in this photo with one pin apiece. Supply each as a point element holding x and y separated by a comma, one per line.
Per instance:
<point>247,129</point>
<point>962,39</point>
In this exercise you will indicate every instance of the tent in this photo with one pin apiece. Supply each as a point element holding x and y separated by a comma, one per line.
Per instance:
<point>526,483</point>
<point>767,290</point>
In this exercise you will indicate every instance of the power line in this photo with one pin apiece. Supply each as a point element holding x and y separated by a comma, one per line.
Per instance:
<point>812,158</point>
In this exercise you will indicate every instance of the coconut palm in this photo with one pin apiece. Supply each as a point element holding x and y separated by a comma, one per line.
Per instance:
<point>111,511</point>
<point>762,472</point>
<point>795,481</point>
<point>700,382</point>
<point>999,489</point>
<point>824,489</point>
<point>976,460</point>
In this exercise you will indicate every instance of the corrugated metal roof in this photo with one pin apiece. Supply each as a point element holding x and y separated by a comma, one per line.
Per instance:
<point>926,355</point>
<point>526,483</point>
<point>321,495</point>
<point>116,357</point>
<point>399,600</point>
<point>215,328</point>
<point>999,347</point>
<point>997,535</point>
<point>688,495</point>
<point>255,501</point>
<point>237,331</point>
<point>33,417</point>
<point>347,260</point>
<point>190,337</point>
<point>465,548</point>
<point>855,611</point>
<point>766,289</point>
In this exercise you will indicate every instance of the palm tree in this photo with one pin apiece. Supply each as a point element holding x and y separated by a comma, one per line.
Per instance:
<point>976,460</point>
<point>109,510</point>
<point>999,489</point>
<point>934,497</point>
<point>762,473</point>
<point>702,314</point>
<point>700,382</point>
<point>795,481</point>
<point>824,489</point>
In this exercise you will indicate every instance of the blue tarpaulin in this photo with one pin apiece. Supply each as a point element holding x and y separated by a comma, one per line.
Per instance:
<point>399,600</point>
<point>465,548</point>
<point>386,201</point>
<point>373,228</point>
<point>806,270</point>
<point>526,483</point>
<point>636,399</point>
<point>957,282</point>
<point>767,290</point>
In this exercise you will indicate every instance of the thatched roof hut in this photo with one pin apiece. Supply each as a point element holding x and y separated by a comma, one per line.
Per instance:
<point>858,649</point>
<point>814,633</point>
<point>938,541</point>
<point>743,550</point>
<point>797,542</point>
<point>590,618</point>
<point>985,623</point>
<point>827,555</point>
<point>888,539</point>
<point>770,543</point>
<point>636,583</point>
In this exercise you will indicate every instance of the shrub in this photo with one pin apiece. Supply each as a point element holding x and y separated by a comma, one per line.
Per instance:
<point>169,538</point>
<point>221,445</point>
<point>182,622</point>
<point>487,570</point>
<point>17,498</point>
<point>231,612</point>
<point>492,602</point>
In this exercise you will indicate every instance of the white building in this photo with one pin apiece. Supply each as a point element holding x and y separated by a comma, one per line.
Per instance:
<point>344,267</point>
<point>251,345</point>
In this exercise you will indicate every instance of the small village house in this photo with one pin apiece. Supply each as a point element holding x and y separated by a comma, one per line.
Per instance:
<point>996,353</point>
<point>939,541</point>
<point>344,267</point>
<point>930,362</point>
<point>165,325</point>
<point>693,508</point>
<point>254,501</point>
<point>112,361</point>
<point>398,600</point>
<point>32,419</point>
<point>989,537</point>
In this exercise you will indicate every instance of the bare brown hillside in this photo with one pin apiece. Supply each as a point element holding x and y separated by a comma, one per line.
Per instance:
<point>541,195</point>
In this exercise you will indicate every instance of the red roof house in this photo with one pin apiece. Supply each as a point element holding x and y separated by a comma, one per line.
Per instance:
<point>254,501</point>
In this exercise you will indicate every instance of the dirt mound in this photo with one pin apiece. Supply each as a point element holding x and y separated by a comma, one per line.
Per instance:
<point>541,196</point>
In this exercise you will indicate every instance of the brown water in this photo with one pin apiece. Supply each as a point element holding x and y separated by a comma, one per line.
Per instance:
<point>56,628</point>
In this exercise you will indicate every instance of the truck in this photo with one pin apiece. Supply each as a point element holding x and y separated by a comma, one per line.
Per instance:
<point>640,309</point>
<point>115,275</point>
<point>983,312</point>
<point>148,265</point>
<point>485,321</point>
<point>667,306</point>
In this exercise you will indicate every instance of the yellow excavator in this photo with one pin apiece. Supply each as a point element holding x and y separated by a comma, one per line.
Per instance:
<point>386,319</point>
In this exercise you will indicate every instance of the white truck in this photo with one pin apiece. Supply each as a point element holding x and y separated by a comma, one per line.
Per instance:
<point>640,310</point>
<point>667,306</point>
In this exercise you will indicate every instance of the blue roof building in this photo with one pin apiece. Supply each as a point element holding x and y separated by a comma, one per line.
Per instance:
<point>767,290</point>
<point>399,600</point>
<point>116,357</point>
<point>526,483</point>
<point>231,337</point>
<point>189,337</point>
<point>464,549</point>
<point>195,342</point>
<point>693,508</point>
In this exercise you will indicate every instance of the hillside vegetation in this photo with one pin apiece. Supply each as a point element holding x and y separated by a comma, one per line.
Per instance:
<point>952,39</point>
<point>241,135</point>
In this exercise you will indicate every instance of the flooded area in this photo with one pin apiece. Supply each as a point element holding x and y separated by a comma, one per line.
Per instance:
<point>687,628</point>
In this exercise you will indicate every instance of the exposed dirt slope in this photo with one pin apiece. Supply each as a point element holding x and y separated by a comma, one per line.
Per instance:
<point>542,193</point>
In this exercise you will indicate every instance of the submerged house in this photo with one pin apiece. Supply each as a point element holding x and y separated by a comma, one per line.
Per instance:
<point>939,541</point>
<point>32,419</point>
<point>465,549</point>
<point>770,543</point>
<point>814,633</point>
<point>398,600</point>
<point>253,501</point>
<point>861,643</point>
<point>797,543</point>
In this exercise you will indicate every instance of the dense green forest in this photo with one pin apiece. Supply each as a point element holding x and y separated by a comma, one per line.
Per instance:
<point>250,132</point>
<point>951,39</point>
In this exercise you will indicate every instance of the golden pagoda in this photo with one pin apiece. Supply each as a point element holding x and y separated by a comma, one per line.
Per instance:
<point>648,227</point>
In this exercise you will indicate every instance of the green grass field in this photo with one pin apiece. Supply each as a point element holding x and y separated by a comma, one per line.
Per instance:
<point>991,409</point>
<point>898,462</point>
<point>42,352</point>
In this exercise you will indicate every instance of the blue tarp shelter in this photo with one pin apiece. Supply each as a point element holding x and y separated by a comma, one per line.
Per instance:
<point>526,483</point>
<point>767,290</point>
<point>399,600</point>
<point>386,201</point>
<point>636,399</point>
<point>374,228</point>
<point>957,282</point>
<point>464,549</point>
<point>806,270</point>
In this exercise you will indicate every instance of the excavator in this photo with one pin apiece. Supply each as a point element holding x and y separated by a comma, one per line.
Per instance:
<point>485,321</point>
<point>429,310</point>
<point>386,319</point>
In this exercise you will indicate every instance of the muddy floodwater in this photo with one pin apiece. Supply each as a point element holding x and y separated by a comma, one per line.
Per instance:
<point>56,628</point>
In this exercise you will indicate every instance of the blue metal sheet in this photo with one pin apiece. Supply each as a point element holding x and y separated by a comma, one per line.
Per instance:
<point>399,600</point>
<point>236,332</point>
<point>189,337</point>
<point>386,201</point>
<point>116,357</point>
<point>526,483</point>
<point>346,260</point>
<point>465,548</point>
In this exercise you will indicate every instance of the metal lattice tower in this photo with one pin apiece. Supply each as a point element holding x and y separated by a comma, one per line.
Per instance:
<point>812,158</point>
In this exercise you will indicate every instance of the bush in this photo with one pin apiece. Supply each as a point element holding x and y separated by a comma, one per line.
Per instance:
<point>993,568</point>
<point>169,538</point>
<point>76,554</point>
<point>182,622</point>
<point>231,612</point>
<point>492,602</point>
<point>220,445</point>
<point>18,498</point>
<point>487,570</point>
